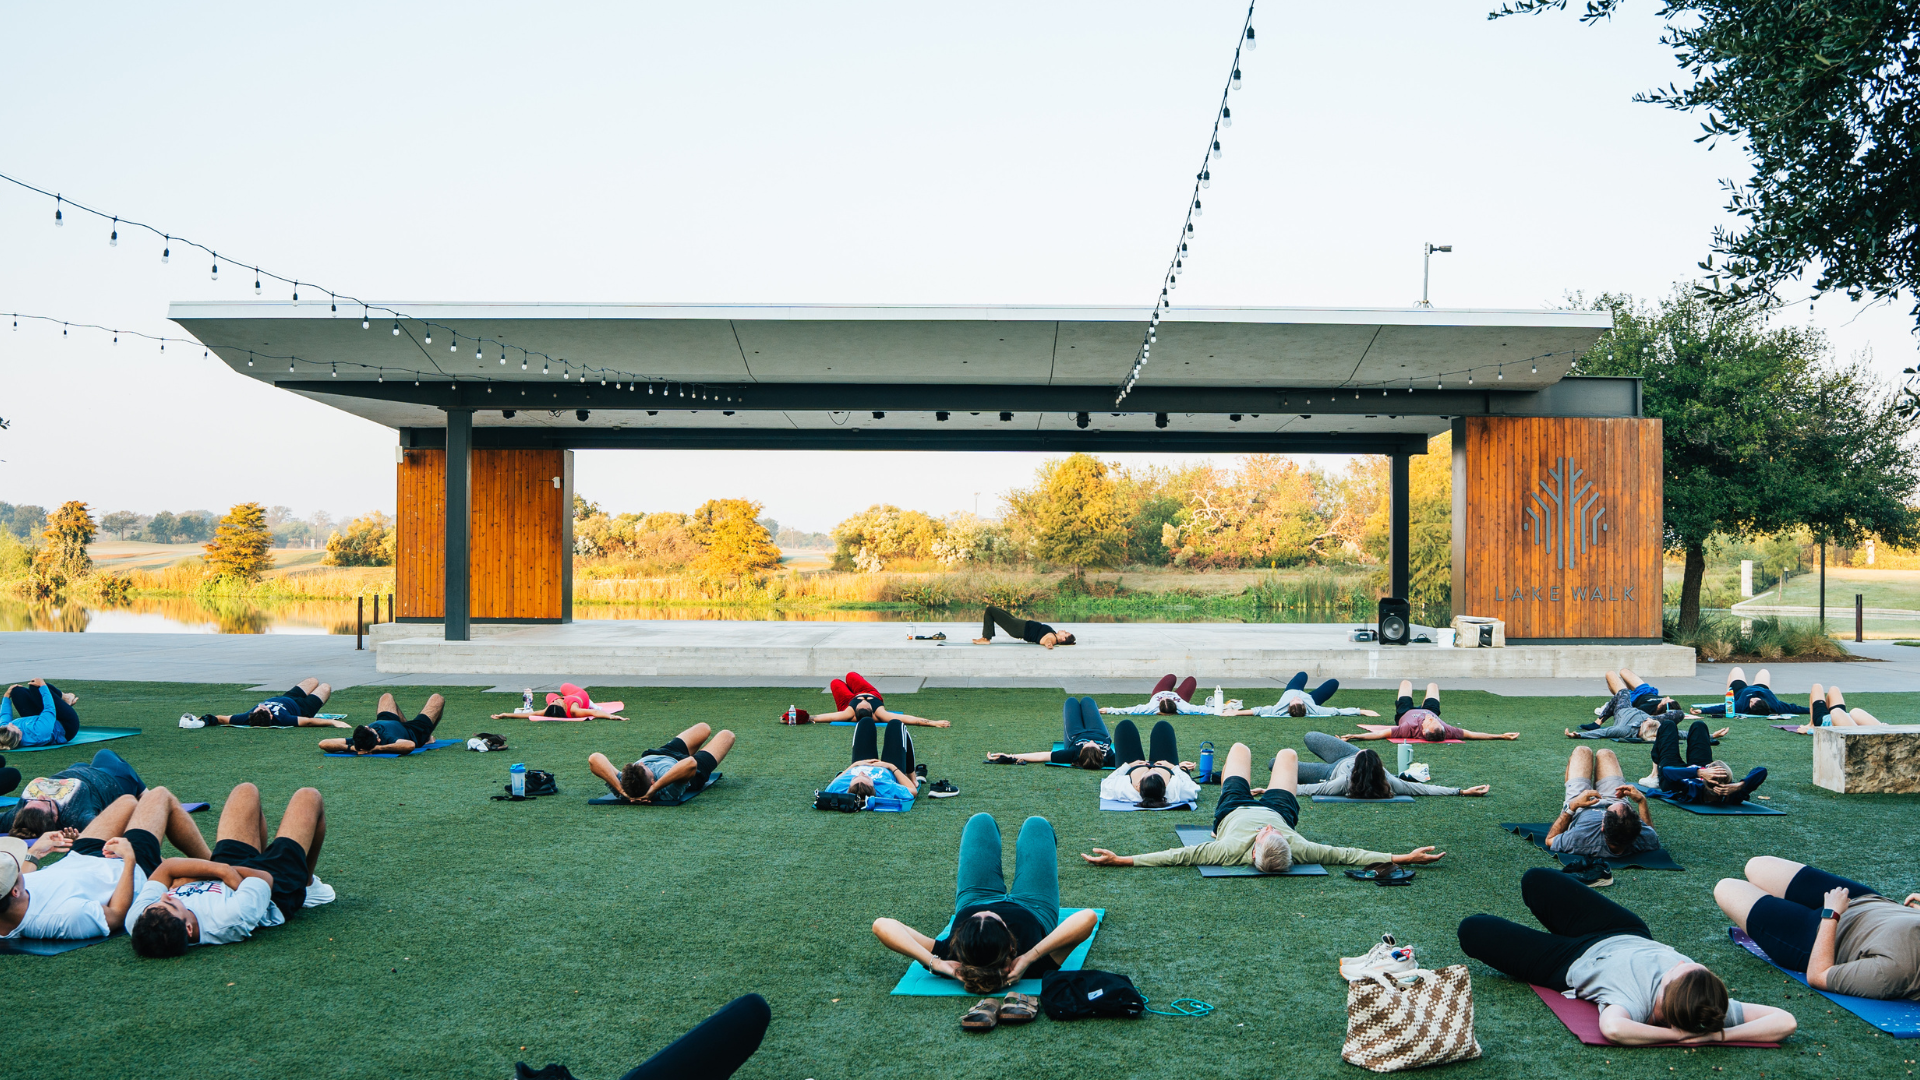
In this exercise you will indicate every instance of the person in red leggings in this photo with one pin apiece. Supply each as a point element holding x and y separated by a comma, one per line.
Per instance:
<point>855,698</point>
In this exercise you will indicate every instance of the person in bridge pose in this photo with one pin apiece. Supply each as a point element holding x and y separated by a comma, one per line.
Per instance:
<point>1258,831</point>
<point>298,707</point>
<point>1423,722</point>
<point>670,774</point>
<point>854,698</point>
<point>37,714</point>
<point>388,734</point>
<point>1027,630</point>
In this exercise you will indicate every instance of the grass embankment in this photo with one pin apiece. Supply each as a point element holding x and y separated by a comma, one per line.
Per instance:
<point>491,932</point>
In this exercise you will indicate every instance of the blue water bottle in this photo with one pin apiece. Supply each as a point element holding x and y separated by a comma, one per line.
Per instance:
<point>1729,713</point>
<point>518,773</point>
<point>1206,764</point>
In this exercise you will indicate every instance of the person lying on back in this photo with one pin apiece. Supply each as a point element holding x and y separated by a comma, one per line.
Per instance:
<point>388,734</point>
<point>88,892</point>
<point>1423,722</point>
<point>37,714</point>
<point>72,797</point>
<point>298,707</point>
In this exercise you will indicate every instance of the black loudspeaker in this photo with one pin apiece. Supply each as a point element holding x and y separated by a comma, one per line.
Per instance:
<point>1395,618</point>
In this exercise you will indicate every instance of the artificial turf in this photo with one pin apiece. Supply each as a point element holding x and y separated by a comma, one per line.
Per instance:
<point>470,934</point>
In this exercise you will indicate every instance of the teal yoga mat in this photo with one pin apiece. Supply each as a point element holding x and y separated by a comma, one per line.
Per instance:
<point>84,735</point>
<point>44,946</point>
<point>1063,765</point>
<point>1900,1019</point>
<point>1118,805</point>
<point>437,744</point>
<point>1744,809</point>
<point>919,982</point>
<point>610,799</point>
<point>1189,835</point>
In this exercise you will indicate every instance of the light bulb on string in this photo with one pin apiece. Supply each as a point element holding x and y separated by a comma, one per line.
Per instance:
<point>396,328</point>
<point>429,337</point>
<point>1536,368</point>
<point>289,366</point>
<point>477,356</point>
<point>543,367</point>
<point>365,323</point>
<point>116,337</point>
<point>1500,375</point>
<point>1226,117</point>
<point>1206,178</point>
<point>503,356</point>
<point>381,377</point>
<point>454,345</point>
<point>249,357</point>
<point>333,305</point>
<point>523,360</point>
<point>1216,149</point>
<point>58,220</point>
<point>113,238</point>
<point>1251,43</point>
<point>1469,378</point>
<point>216,268</point>
<point>296,292</point>
<point>336,371</point>
<point>256,281</point>
<point>166,249</point>
<point>1236,78</point>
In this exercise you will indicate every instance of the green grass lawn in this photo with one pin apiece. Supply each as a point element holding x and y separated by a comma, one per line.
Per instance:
<point>470,934</point>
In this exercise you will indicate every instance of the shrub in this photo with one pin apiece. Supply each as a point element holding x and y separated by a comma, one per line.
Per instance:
<point>368,541</point>
<point>1729,637</point>
<point>239,548</point>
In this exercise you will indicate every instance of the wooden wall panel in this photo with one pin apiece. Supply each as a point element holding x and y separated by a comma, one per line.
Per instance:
<point>420,569</point>
<point>1559,562</point>
<point>517,536</point>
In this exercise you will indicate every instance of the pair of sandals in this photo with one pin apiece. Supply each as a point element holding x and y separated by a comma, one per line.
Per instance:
<point>988,1014</point>
<point>1386,874</point>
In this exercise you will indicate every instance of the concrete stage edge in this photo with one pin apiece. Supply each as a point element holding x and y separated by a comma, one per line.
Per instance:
<point>1211,651</point>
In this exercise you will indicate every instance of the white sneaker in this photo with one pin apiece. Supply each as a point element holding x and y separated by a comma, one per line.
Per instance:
<point>318,892</point>
<point>1385,958</point>
<point>191,722</point>
<point>1651,780</point>
<point>1600,710</point>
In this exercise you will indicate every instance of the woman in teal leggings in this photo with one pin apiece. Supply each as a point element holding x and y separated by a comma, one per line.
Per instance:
<point>999,935</point>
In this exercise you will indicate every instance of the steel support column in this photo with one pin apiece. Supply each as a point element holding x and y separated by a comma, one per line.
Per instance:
<point>1398,517</point>
<point>459,545</point>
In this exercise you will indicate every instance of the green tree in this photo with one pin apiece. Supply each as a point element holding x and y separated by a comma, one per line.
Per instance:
<point>1822,96</point>
<point>367,541</point>
<point>1072,515</point>
<point>192,528</point>
<point>1749,444</point>
<point>239,548</point>
<point>883,533</point>
<point>582,508</point>
<point>736,544</point>
<point>62,558</point>
<point>162,528</point>
<point>120,523</point>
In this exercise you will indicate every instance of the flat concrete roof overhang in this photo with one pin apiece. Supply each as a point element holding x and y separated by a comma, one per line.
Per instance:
<point>1332,380</point>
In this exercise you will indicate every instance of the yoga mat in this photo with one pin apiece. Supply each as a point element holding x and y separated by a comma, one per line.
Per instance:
<point>8,801</point>
<point>1583,1019</point>
<point>919,982</point>
<point>1190,835</point>
<point>437,744</point>
<point>1117,804</point>
<point>1063,765</point>
<point>1748,808</point>
<point>1375,729</point>
<point>1343,798</point>
<point>611,799</point>
<point>330,716</point>
<point>1744,715</point>
<point>1900,1019</point>
<point>1795,728</point>
<point>1657,859</point>
<point>193,807</point>
<point>44,946</point>
<point>84,735</point>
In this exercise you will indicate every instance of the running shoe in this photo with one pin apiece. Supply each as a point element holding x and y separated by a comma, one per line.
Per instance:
<point>318,892</point>
<point>1386,958</point>
<point>191,722</point>
<point>943,789</point>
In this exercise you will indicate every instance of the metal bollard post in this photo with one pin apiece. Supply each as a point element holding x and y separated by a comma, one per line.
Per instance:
<point>359,620</point>
<point>376,609</point>
<point>1859,618</point>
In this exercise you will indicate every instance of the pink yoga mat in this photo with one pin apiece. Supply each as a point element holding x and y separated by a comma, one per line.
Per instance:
<point>1583,1019</point>
<point>1375,729</point>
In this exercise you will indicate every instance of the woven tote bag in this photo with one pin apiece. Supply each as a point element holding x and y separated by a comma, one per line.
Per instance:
<point>1420,1018</point>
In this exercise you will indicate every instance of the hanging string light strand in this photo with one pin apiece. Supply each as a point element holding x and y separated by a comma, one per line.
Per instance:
<point>1222,118</point>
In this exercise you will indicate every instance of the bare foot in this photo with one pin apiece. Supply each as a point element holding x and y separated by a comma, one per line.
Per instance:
<point>981,641</point>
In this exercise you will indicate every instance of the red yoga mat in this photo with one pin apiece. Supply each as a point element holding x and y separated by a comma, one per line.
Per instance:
<point>1583,1019</point>
<point>1375,729</point>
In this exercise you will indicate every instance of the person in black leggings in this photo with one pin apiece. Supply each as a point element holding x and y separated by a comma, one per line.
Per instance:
<point>22,702</point>
<point>1027,630</point>
<point>875,766</point>
<point>1698,778</point>
<point>1085,741</point>
<point>1647,991</point>
<point>713,1051</point>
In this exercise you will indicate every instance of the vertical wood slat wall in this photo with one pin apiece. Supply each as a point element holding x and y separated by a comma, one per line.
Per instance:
<point>1504,459</point>
<point>516,535</point>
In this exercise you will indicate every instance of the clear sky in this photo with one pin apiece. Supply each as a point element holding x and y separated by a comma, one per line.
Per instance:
<point>828,153</point>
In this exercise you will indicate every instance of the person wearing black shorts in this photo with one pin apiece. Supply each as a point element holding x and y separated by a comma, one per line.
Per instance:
<point>668,775</point>
<point>298,707</point>
<point>42,904</point>
<point>218,900</point>
<point>1846,937</point>
<point>388,734</point>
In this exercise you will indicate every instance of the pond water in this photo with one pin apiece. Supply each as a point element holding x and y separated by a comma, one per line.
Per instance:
<point>189,615</point>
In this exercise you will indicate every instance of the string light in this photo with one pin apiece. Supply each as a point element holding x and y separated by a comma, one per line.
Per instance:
<point>166,249</point>
<point>216,268</point>
<point>113,239</point>
<point>429,336</point>
<point>256,281</point>
<point>396,328</point>
<point>1226,121</point>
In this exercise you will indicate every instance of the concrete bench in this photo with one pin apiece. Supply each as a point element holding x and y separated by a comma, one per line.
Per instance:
<point>1852,760</point>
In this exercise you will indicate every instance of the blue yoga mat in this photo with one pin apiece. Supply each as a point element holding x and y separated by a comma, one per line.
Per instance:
<point>919,982</point>
<point>1744,809</point>
<point>610,799</point>
<point>1343,798</point>
<point>1900,1019</point>
<point>9,801</point>
<point>84,735</point>
<point>1657,859</point>
<point>437,744</point>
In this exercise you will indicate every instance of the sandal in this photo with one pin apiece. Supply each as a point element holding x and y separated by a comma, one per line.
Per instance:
<point>982,1017</point>
<point>1019,1009</point>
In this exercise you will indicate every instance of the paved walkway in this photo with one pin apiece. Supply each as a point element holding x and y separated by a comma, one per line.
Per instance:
<point>272,662</point>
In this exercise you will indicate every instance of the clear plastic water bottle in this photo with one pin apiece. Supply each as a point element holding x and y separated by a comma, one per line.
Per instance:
<point>1405,758</point>
<point>518,773</point>
<point>526,699</point>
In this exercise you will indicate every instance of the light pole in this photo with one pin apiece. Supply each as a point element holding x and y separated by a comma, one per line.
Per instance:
<point>1426,269</point>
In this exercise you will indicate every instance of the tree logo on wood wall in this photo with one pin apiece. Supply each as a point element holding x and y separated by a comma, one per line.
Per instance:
<point>1562,513</point>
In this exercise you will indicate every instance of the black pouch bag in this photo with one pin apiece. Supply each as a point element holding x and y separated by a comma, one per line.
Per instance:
<point>540,782</point>
<point>844,801</point>
<point>1086,994</point>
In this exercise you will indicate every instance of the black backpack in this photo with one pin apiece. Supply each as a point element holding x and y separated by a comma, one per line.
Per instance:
<point>1080,995</point>
<point>845,802</point>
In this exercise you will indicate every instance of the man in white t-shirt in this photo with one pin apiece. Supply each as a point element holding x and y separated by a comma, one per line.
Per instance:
<point>87,893</point>
<point>246,884</point>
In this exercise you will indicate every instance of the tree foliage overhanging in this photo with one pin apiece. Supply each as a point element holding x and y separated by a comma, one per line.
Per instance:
<point>1825,96</point>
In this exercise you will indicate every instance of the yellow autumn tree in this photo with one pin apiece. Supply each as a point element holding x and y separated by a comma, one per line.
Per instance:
<point>62,559</point>
<point>736,544</point>
<point>239,548</point>
<point>367,541</point>
<point>1073,515</point>
<point>1429,527</point>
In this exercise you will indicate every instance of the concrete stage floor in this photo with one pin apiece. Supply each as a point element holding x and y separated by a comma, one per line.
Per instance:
<point>274,661</point>
<point>876,649</point>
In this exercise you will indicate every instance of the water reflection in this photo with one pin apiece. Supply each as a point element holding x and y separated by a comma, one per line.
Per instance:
<point>195,615</point>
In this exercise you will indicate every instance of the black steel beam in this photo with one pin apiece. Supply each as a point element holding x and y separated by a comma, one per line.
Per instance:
<point>586,437</point>
<point>458,546</point>
<point>1582,397</point>
<point>1399,527</point>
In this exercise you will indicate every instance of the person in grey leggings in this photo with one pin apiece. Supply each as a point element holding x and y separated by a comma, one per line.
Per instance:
<point>1334,773</point>
<point>1631,721</point>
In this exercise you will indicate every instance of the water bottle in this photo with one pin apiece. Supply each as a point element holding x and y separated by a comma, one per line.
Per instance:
<point>792,716</point>
<point>519,774</point>
<point>526,699</point>
<point>1406,757</point>
<point>1729,712</point>
<point>1219,698</point>
<point>1206,763</point>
